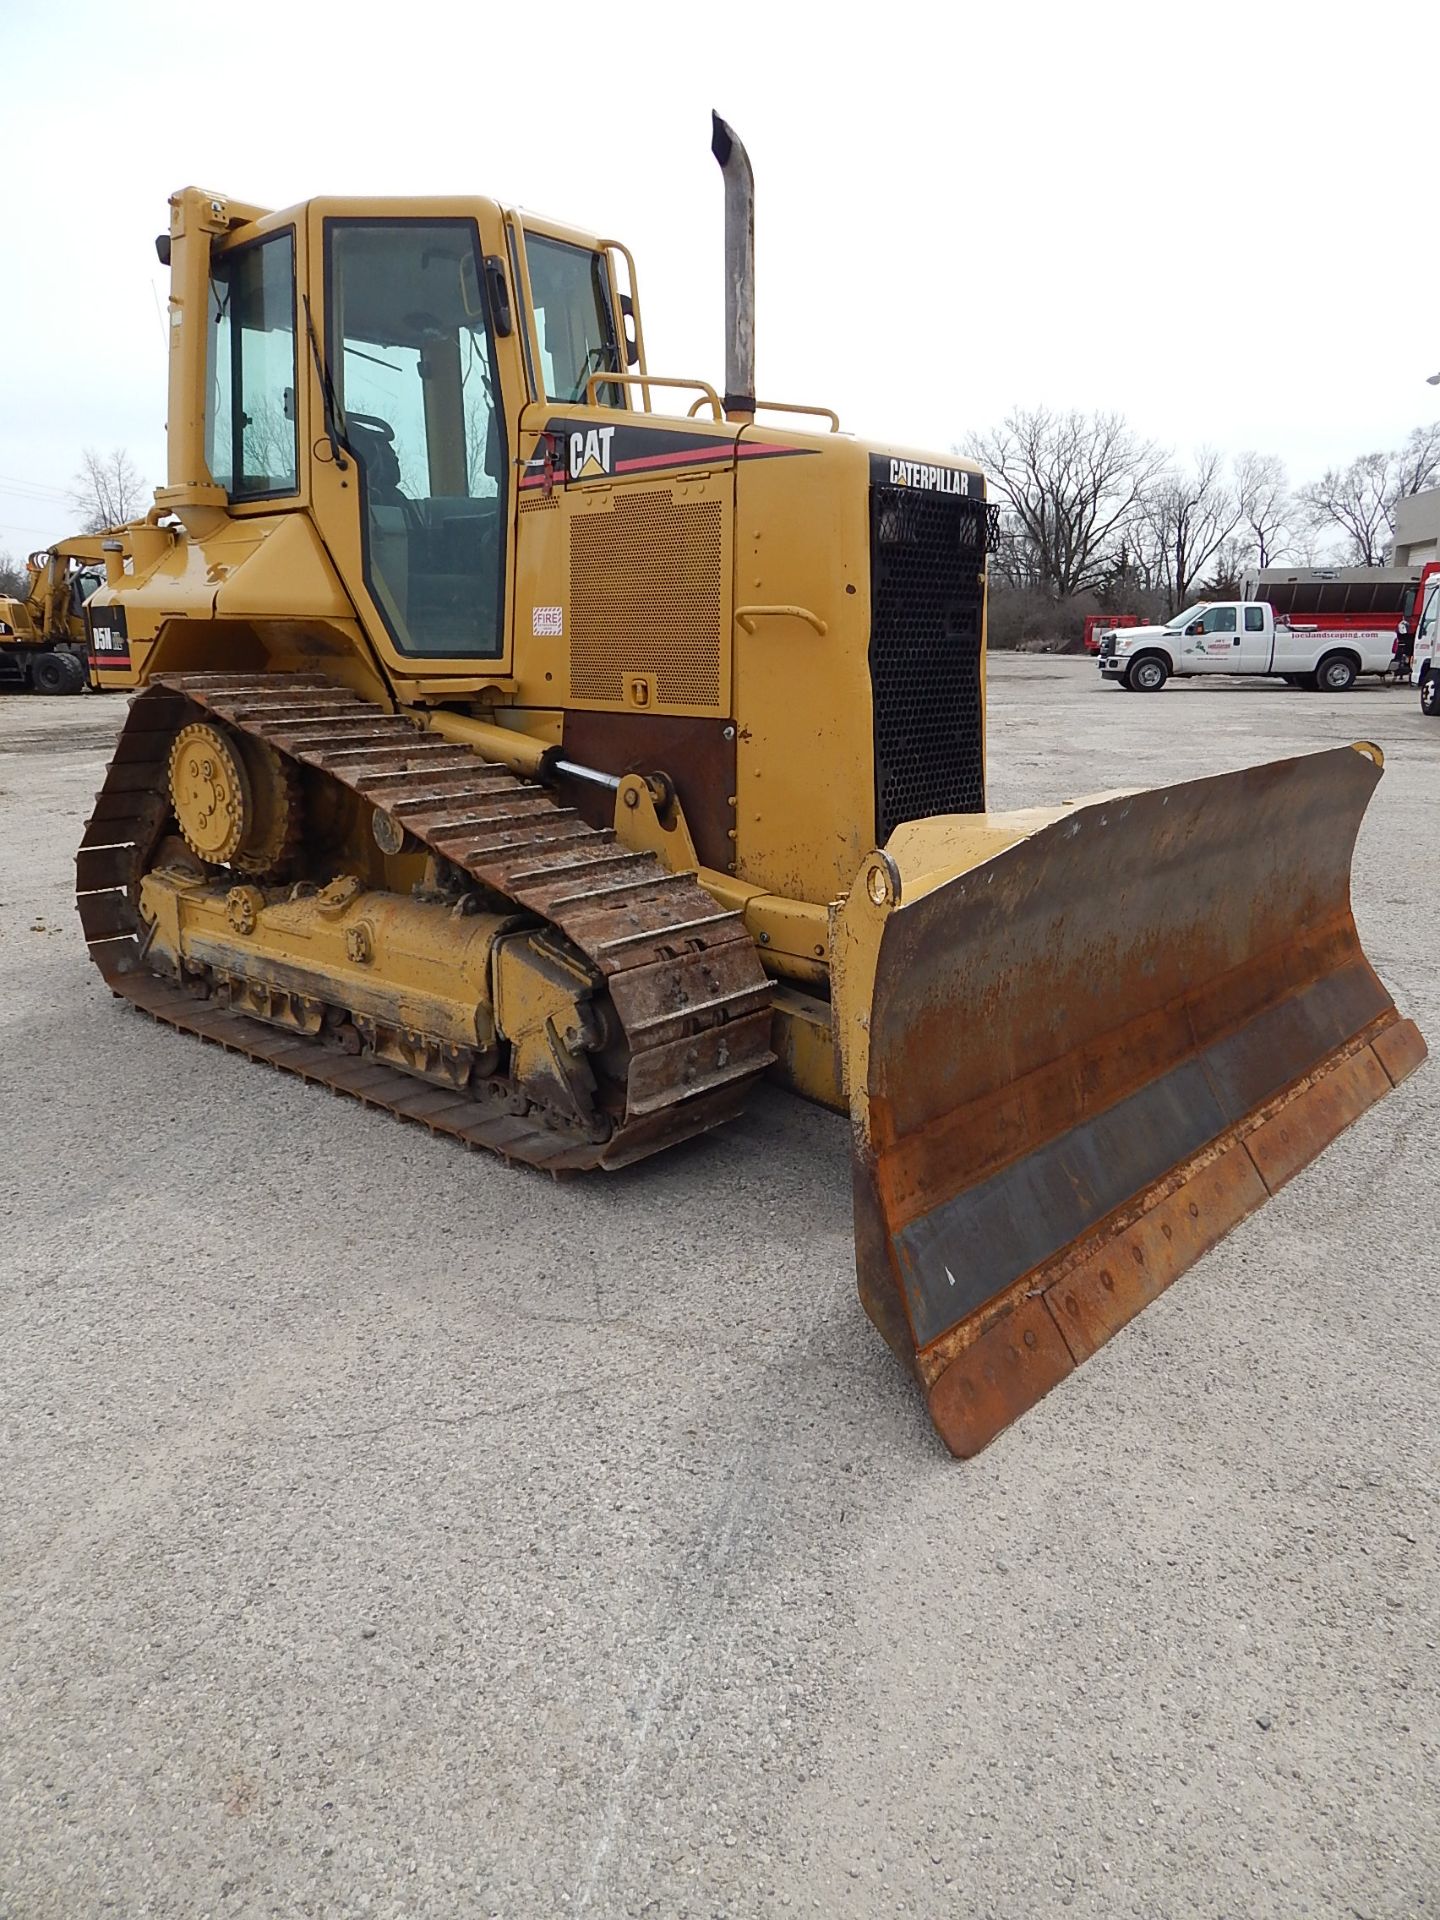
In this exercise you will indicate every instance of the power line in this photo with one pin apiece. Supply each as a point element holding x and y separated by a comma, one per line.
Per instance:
<point>9,480</point>
<point>32,490</point>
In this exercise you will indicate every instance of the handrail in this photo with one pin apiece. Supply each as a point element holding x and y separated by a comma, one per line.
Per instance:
<point>794,406</point>
<point>603,379</point>
<point>747,616</point>
<point>784,406</point>
<point>619,246</point>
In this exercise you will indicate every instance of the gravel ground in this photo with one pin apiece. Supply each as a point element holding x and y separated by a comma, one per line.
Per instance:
<point>385,1531</point>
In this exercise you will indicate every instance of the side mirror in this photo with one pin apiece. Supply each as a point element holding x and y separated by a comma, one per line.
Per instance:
<point>627,326</point>
<point>1197,626</point>
<point>499,294</point>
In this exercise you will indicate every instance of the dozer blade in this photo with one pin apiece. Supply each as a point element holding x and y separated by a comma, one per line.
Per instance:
<point>1081,1044</point>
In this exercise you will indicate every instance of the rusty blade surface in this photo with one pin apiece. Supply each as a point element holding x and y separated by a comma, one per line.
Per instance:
<point>1092,1054</point>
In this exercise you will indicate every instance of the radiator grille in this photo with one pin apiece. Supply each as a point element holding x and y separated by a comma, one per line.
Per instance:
<point>646,596</point>
<point>927,555</point>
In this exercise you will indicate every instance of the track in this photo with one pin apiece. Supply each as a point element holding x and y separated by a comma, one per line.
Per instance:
<point>681,974</point>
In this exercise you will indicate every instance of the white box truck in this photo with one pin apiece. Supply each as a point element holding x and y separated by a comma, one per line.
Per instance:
<point>1244,637</point>
<point>1425,665</point>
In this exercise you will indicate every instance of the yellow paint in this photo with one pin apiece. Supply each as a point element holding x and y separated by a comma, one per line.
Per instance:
<point>803,1038</point>
<point>728,580</point>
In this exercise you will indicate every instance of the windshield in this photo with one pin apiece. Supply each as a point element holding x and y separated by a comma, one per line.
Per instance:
<point>1182,620</point>
<point>571,291</point>
<point>83,584</point>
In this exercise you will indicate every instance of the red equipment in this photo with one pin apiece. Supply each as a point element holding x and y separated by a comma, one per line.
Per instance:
<point>1357,599</point>
<point>1098,623</point>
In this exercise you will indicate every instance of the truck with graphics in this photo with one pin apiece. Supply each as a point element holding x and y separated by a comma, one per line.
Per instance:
<point>1244,637</point>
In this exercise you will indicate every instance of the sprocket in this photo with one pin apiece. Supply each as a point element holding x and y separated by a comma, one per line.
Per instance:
<point>236,800</point>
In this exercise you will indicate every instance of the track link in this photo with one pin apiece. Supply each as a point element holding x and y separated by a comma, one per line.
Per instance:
<point>681,973</point>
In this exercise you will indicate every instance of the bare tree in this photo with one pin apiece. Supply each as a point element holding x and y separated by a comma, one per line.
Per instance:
<point>1073,482</point>
<point>1417,464</point>
<point>1185,522</point>
<point>13,577</point>
<point>107,491</point>
<point>1225,578</point>
<point>1356,500</point>
<point>1012,557</point>
<point>1265,507</point>
<point>1360,500</point>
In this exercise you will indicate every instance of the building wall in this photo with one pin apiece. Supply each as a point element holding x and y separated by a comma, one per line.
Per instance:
<point>1417,529</point>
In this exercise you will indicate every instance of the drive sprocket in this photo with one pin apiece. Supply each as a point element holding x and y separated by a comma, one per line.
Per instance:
<point>210,793</point>
<point>236,800</point>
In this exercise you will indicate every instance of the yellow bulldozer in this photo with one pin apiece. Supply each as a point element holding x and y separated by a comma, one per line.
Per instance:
<point>43,639</point>
<point>544,748</point>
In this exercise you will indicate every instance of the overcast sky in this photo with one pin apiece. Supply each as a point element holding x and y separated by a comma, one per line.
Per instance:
<point>1218,218</point>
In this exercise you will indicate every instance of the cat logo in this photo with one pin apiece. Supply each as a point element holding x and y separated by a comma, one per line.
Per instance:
<point>590,452</point>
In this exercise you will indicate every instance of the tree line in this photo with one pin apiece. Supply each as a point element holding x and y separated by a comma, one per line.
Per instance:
<point>1095,518</point>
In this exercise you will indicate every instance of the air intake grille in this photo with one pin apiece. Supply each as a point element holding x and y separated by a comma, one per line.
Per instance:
<point>927,554</point>
<point>646,594</point>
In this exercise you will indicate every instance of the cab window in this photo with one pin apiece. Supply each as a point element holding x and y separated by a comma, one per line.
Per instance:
<point>571,291</point>
<point>1218,620</point>
<point>1254,619</point>
<point>250,434</point>
<point>1430,618</point>
<point>83,584</point>
<point>410,353</point>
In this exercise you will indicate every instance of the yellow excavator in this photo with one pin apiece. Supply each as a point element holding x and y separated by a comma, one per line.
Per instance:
<point>544,748</point>
<point>43,637</point>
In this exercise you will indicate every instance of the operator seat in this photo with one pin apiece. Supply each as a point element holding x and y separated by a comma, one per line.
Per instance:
<point>372,441</point>
<point>391,515</point>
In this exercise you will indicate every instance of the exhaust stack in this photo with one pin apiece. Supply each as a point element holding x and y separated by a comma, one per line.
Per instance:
<point>739,271</point>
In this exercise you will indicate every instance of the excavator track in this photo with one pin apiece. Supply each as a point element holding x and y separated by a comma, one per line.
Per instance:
<point>680,973</point>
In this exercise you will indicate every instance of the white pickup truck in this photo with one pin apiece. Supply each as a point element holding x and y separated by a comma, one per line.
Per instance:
<point>1243,636</point>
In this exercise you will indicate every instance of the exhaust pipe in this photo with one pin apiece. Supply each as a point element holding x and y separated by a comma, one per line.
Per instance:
<point>739,271</point>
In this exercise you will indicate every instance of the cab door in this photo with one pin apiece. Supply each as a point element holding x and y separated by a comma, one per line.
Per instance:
<point>423,385</point>
<point>1252,641</point>
<point>1424,662</point>
<point>1210,641</point>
